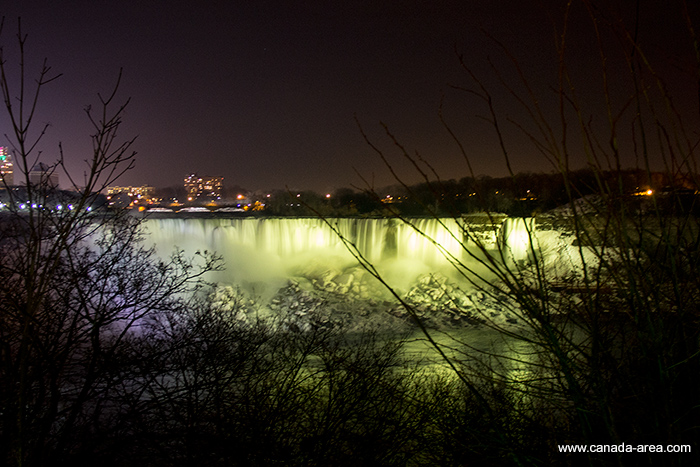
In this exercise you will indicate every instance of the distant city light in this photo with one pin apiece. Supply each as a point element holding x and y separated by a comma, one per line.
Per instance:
<point>647,192</point>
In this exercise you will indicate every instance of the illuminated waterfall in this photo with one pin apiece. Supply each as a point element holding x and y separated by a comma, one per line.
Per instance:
<point>257,249</point>
<point>517,239</point>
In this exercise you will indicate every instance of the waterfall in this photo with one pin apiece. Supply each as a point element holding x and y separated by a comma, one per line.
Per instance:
<point>299,270</point>
<point>517,239</point>
<point>263,248</point>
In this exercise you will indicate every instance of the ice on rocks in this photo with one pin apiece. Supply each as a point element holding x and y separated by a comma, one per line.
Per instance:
<point>352,298</point>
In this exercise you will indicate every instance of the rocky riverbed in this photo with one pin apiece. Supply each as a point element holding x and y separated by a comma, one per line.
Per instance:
<point>353,299</point>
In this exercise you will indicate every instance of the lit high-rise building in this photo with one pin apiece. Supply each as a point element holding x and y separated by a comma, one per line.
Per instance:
<point>6,174</point>
<point>203,187</point>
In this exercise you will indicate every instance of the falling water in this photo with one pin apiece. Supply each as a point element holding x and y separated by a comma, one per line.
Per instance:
<point>264,248</point>
<point>516,236</point>
<point>294,267</point>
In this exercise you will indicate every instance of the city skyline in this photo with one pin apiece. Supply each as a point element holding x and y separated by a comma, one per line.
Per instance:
<point>269,95</point>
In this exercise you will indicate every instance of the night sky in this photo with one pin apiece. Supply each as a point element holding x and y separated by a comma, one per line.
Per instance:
<point>265,93</point>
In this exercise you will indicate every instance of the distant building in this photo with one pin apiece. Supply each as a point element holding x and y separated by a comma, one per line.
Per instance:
<point>200,188</point>
<point>6,174</point>
<point>134,191</point>
<point>137,195</point>
<point>42,174</point>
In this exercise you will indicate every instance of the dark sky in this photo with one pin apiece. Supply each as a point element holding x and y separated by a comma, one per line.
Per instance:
<point>265,93</point>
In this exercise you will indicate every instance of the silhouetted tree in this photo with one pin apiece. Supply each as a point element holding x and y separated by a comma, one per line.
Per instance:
<point>76,286</point>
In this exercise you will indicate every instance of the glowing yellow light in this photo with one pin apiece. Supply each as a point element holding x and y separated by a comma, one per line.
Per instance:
<point>412,243</point>
<point>650,192</point>
<point>320,240</point>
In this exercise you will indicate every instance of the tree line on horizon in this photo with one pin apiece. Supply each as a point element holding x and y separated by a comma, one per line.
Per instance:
<point>521,195</point>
